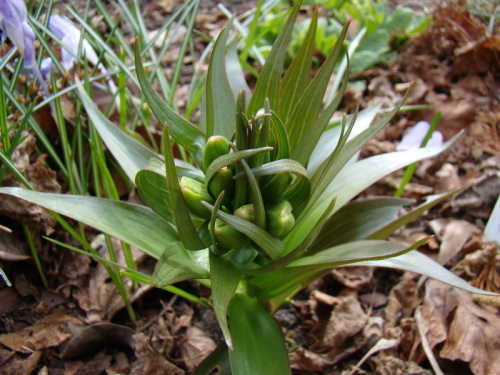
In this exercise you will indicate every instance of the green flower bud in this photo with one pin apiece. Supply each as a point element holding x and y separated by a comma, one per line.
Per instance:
<point>273,188</point>
<point>280,219</point>
<point>246,213</point>
<point>227,237</point>
<point>194,192</point>
<point>216,146</point>
<point>222,181</point>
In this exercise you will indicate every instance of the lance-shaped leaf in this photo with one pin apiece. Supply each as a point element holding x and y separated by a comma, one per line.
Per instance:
<point>219,100</point>
<point>258,203</point>
<point>225,160</point>
<point>349,253</point>
<point>278,139</point>
<point>269,244</point>
<point>185,227</point>
<point>307,109</point>
<point>420,263</point>
<point>130,154</point>
<point>268,84</point>
<point>277,166</point>
<point>430,202</point>
<point>153,190</point>
<point>297,76</point>
<point>358,220</point>
<point>259,347</point>
<point>186,134</point>
<point>178,264</point>
<point>225,277</point>
<point>136,225</point>
<point>353,179</point>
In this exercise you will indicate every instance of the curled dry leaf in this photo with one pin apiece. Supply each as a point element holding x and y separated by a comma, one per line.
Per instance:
<point>470,332</point>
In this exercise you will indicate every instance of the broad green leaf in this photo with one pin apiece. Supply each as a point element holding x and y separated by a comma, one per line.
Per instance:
<point>420,263</point>
<point>268,84</point>
<point>259,346</point>
<point>136,225</point>
<point>235,73</point>
<point>220,104</point>
<point>430,202</point>
<point>185,227</point>
<point>297,76</point>
<point>228,159</point>
<point>341,255</point>
<point>218,357</point>
<point>178,264</point>
<point>353,179</point>
<point>358,220</point>
<point>130,154</point>
<point>307,109</point>
<point>225,278</point>
<point>153,190</point>
<point>186,134</point>
<point>272,246</point>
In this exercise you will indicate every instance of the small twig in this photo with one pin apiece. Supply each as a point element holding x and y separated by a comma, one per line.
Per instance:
<point>419,320</point>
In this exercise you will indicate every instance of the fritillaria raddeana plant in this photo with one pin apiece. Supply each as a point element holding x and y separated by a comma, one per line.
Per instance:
<point>260,207</point>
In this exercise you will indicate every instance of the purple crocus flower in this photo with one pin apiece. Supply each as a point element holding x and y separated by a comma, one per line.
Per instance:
<point>13,24</point>
<point>414,138</point>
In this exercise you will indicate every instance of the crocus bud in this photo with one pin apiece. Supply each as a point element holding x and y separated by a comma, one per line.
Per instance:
<point>273,187</point>
<point>227,237</point>
<point>216,146</point>
<point>222,181</point>
<point>194,192</point>
<point>246,212</point>
<point>280,219</point>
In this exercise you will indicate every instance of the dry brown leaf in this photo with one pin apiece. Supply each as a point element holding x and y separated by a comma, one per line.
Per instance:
<point>196,346</point>
<point>470,332</point>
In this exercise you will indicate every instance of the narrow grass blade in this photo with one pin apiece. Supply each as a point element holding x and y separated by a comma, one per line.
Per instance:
<point>186,134</point>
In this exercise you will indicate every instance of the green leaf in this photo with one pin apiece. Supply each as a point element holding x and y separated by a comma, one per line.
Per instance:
<point>153,190</point>
<point>272,246</point>
<point>186,134</point>
<point>430,202</point>
<point>307,109</point>
<point>283,165</point>
<point>259,347</point>
<point>256,196</point>
<point>278,139</point>
<point>358,220</point>
<point>177,264</point>
<point>297,77</point>
<point>341,255</point>
<point>136,225</point>
<point>220,104</point>
<point>225,278</point>
<point>130,154</point>
<point>225,160</point>
<point>420,263</point>
<point>185,227</point>
<point>235,73</point>
<point>268,84</point>
<point>353,179</point>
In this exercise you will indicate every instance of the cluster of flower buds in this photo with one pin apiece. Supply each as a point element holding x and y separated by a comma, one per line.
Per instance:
<point>239,199</point>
